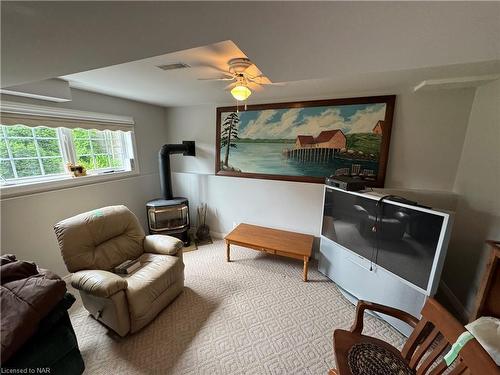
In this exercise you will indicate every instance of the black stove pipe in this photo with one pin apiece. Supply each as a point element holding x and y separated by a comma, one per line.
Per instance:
<point>187,149</point>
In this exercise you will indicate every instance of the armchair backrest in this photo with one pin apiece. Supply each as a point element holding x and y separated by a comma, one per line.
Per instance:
<point>100,239</point>
<point>431,339</point>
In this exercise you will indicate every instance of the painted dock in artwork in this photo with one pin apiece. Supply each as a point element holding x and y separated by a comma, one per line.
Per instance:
<point>330,147</point>
<point>317,150</point>
<point>310,155</point>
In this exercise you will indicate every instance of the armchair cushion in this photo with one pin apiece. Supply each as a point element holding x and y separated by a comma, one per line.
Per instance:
<point>98,283</point>
<point>160,244</point>
<point>157,273</point>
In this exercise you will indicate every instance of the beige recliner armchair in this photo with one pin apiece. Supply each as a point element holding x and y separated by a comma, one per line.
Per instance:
<point>95,242</point>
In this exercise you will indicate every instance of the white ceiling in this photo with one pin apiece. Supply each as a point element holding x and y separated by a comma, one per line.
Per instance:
<point>288,40</point>
<point>143,81</point>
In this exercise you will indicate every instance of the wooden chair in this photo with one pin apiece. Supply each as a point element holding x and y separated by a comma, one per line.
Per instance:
<point>421,354</point>
<point>488,296</point>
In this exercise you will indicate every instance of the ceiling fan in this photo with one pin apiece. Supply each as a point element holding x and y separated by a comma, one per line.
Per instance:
<point>245,76</point>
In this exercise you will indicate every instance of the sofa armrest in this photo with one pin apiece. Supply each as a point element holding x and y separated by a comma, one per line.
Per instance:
<point>161,244</point>
<point>98,283</point>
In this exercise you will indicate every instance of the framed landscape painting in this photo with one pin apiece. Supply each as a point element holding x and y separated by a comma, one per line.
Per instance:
<point>306,141</point>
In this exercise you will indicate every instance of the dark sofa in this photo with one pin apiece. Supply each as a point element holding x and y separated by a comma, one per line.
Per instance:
<point>53,349</point>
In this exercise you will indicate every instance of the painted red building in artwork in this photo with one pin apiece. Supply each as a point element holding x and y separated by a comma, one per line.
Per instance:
<point>334,139</point>
<point>379,127</point>
<point>304,141</point>
<point>331,139</point>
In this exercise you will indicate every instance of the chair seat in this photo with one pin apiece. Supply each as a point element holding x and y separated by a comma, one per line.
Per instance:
<point>358,354</point>
<point>156,275</point>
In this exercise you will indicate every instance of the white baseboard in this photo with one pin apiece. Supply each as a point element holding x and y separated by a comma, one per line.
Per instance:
<point>455,302</point>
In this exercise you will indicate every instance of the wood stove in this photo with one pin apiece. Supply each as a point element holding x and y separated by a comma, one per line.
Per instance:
<point>169,214</point>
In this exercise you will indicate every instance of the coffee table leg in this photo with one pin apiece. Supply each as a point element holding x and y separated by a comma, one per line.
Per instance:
<point>227,252</point>
<point>306,263</point>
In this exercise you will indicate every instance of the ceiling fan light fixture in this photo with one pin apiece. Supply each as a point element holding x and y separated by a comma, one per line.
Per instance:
<point>240,92</point>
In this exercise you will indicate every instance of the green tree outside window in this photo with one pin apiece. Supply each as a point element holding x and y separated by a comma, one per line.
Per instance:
<point>37,151</point>
<point>29,152</point>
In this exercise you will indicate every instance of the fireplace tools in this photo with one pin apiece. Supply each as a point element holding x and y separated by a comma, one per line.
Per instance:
<point>203,231</point>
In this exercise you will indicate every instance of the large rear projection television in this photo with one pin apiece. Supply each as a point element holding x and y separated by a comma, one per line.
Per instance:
<point>384,251</point>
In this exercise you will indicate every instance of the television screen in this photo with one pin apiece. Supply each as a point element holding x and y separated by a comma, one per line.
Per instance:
<point>402,240</point>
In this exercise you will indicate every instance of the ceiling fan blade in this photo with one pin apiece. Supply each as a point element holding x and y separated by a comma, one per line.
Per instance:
<point>216,79</point>
<point>261,80</point>
<point>252,71</point>
<point>255,87</point>
<point>230,86</point>
<point>278,84</point>
<point>213,67</point>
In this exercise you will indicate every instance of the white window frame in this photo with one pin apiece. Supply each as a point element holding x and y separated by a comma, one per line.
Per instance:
<point>35,184</point>
<point>69,151</point>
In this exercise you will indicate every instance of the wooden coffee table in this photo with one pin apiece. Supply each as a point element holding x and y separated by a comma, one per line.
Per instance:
<point>272,241</point>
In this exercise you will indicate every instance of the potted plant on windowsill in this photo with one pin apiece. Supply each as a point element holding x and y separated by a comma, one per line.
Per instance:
<point>76,170</point>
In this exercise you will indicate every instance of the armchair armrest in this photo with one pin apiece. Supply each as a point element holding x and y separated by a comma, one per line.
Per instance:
<point>396,313</point>
<point>98,283</point>
<point>160,244</point>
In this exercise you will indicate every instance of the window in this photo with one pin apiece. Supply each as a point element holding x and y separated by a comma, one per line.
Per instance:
<point>29,152</point>
<point>37,142</point>
<point>97,149</point>
<point>40,153</point>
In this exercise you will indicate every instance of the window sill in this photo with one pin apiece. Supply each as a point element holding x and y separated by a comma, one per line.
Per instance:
<point>11,191</point>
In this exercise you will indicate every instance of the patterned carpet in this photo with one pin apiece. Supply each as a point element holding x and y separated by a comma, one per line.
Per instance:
<point>251,316</point>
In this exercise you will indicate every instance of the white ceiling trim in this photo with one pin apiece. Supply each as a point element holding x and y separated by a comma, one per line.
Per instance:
<point>455,82</point>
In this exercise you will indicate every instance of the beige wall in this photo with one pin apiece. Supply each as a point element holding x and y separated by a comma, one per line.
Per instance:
<point>426,143</point>
<point>427,138</point>
<point>440,142</point>
<point>26,221</point>
<point>428,152</point>
<point>477,183</point>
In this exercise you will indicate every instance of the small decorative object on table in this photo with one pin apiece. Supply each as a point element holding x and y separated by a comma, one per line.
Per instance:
<point>76,170</point>
<point>203,231</point>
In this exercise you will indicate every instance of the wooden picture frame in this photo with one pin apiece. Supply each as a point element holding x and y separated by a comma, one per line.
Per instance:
<point>304,150</point>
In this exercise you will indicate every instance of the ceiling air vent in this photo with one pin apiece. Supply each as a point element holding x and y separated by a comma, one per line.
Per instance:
<point>174,66</point>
